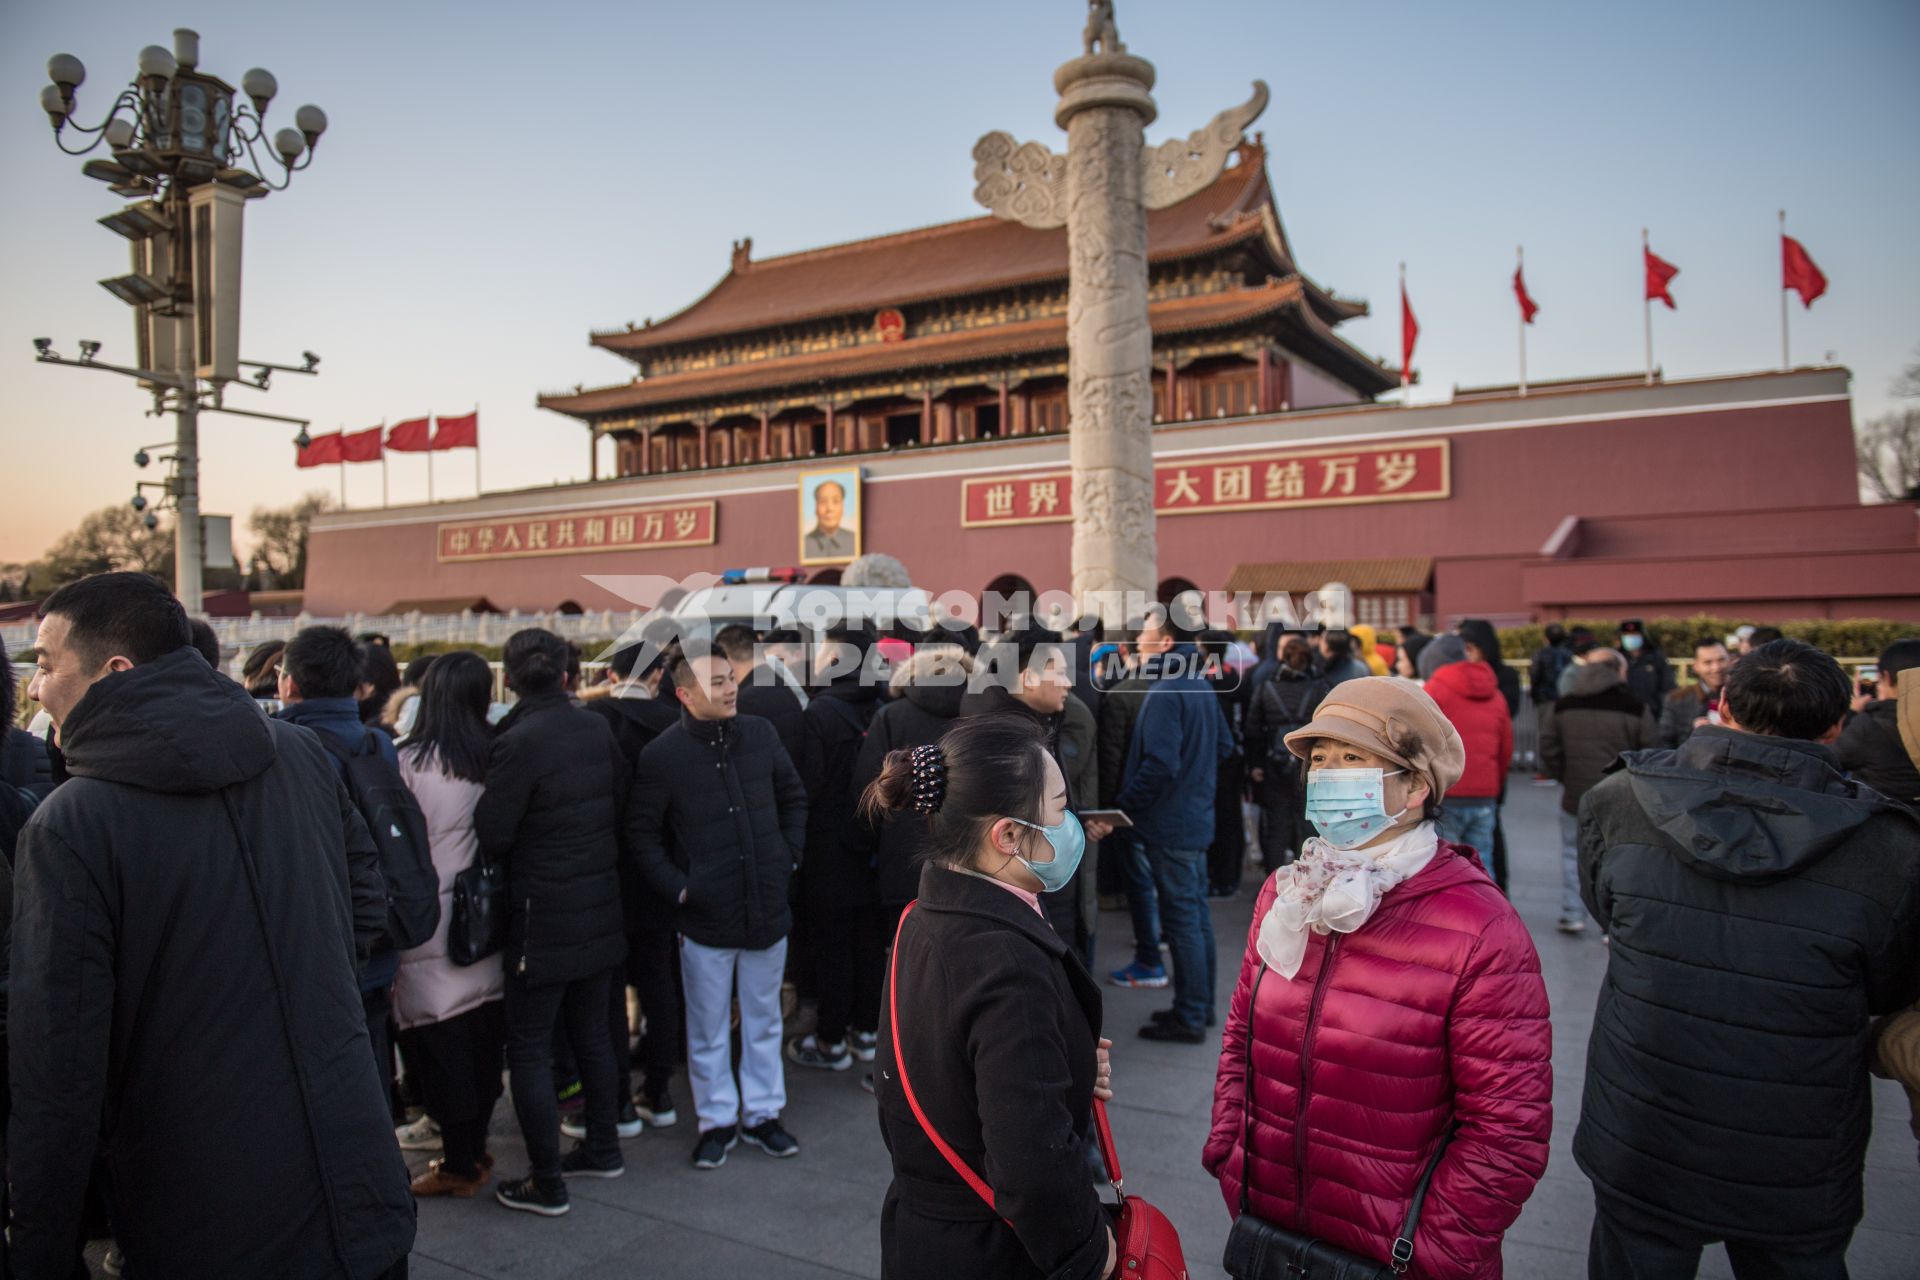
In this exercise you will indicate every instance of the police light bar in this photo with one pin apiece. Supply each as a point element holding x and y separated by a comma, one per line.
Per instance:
<point>741,577</point>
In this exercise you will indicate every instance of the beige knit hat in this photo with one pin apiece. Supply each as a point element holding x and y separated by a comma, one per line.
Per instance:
<point>1390,717</point>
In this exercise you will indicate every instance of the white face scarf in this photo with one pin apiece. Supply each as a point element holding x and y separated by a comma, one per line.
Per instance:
<point>1329,890</point>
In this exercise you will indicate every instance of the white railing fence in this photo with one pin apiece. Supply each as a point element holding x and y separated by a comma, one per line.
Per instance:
<point>237,634</point>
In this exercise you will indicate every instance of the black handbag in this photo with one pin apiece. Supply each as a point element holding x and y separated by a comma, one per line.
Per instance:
<point>478,928</point>
<point>1262,1250</point>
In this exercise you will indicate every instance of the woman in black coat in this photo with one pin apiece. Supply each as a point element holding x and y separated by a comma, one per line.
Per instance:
<point>556,789</point>
<point>990,1029</point>
<point>1282,703</point>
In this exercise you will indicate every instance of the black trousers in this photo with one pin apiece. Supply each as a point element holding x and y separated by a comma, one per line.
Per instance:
<point>456,1065</point>
<point>1227,851</point>
<point>653,971</point>
<point>849,953</point>
<point>533,1011</point>
<point>1627,1245</point>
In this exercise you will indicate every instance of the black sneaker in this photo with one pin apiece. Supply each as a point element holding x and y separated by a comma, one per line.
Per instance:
<point>578,1164</point>
<point>772,1139</point>
<point>655,1106</point>
<point>711,1151</point>
<point>526,1195</point>
<point>1172,1032</point>
<point>1166,1015</point>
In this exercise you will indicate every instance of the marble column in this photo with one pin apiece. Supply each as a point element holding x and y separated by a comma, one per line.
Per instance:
<point>1105,107</point>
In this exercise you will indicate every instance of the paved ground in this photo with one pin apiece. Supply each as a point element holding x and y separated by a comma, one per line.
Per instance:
<point>819,1215</point>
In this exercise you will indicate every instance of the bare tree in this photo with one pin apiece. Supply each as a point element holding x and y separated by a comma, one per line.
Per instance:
<point>1888,452</point>
<point>1887,449</point>
<point>280,538</point>
<point>111,538</point>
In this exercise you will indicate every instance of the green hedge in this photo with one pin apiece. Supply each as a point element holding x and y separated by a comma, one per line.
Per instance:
<point>1841,637</point>
<point>405,653</point>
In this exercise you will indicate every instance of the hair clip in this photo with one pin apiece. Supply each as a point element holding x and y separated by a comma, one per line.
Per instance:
<point>929,785</point>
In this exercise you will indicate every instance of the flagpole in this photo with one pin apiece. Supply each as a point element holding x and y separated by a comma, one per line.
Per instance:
<point>1520,266</point>
<point>1785,363</point>
<point>1406,374</point>
<point>1646,303</point>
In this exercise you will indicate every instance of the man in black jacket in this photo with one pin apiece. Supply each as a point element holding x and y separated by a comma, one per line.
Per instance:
<point>1694,707</point>
<point>1762,907</point>
<point>1649,674</point>
<point>556,786</point>
<point>184,926</point>
<point>1119,708</point>
<point>639,708</point>
<point>838,889</point>
<point>1869,747</point>
<point>717,819</point>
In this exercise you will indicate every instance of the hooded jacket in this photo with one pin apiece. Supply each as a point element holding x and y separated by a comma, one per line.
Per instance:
<point>1760,907</point>
<point>1431,1016</point>
<point>556,784</point>
<point>1468,694</point>
<point>183,942</point>
<point>928,688</point>
<point>719,812</point>
<point>1480,634</point>
<point>1584,732</point>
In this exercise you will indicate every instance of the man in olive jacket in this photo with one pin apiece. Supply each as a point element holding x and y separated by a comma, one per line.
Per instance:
<point>184,1000</point>
<point>1762,908</point>
<point>717,819</point>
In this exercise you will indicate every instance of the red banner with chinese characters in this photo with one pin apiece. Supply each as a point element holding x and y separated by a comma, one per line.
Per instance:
<point>684,524</point>
<point>1402,471</point>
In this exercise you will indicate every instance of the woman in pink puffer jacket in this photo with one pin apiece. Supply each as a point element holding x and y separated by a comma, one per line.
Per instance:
<point>1399,1000</point>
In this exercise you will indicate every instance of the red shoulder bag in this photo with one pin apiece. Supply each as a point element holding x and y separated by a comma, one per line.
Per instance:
<point>1146,1245</point>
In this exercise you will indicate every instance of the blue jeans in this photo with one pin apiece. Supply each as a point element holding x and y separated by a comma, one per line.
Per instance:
<point>1181,877</point>
<point>1142,903</point>
<point>1470,821</point>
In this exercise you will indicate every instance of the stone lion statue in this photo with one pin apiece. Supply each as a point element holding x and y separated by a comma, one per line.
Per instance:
<point>1101,30</point>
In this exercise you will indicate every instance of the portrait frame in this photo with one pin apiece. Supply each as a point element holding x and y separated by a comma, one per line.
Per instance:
<point>852,520</point>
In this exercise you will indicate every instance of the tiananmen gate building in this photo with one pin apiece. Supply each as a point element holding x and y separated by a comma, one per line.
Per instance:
<point>907,394</point>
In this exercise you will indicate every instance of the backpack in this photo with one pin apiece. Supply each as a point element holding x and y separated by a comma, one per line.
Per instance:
<point>399,833</point>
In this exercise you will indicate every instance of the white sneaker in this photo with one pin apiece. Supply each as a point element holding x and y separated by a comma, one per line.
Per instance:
<point>1569,924</point>
<point>422,1135</point>
<point>630,1125</point>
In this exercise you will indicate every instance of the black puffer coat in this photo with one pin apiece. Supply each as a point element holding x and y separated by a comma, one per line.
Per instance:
<point>718,811</point>
<point>835,723</point>
<point>1761,907</point>
<point>637,721</point>
<point>925,708</point>
<point>999,1022</point>
<point>182,947</point>
<point>556,784</point>
<point>1871,750</point>
<point>1584,732</point>
<point>765,694</point>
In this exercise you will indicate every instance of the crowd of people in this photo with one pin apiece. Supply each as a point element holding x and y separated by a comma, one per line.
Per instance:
<point>348,900</point>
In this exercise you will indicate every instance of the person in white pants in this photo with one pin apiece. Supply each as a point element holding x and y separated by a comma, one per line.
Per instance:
<point>712,976</point>
<point>716,820</point>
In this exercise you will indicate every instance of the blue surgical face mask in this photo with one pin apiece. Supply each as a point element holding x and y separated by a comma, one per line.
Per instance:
<point>1069,841</point>
<point>1630,642</point>
<point>1349,806</point>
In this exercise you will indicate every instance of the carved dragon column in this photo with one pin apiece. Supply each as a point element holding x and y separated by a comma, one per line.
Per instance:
<point>1101,191</point>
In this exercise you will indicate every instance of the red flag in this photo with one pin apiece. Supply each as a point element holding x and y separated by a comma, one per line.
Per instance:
<point>1798,273</point>
<point>362,446</point>
<point>1659,272</point>
<point>458,433</point>
<point>321,451</point>
<point>412,436</point>
<point>1409,334</point>
<point>1528,307</point>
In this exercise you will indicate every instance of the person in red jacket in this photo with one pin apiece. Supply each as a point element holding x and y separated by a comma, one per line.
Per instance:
<point>1389,1014</point>
<point>1468,694</point>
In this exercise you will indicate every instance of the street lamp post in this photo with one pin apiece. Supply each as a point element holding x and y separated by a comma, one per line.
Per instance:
<point>191,160</point>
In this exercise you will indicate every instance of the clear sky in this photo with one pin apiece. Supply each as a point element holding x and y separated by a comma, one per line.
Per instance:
<point>500,178</point>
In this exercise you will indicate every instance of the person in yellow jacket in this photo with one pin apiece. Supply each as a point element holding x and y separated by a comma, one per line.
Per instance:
<point>1364,640</point>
